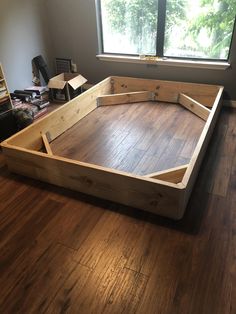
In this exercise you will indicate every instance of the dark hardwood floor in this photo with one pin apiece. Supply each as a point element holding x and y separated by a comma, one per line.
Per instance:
<point>64,252</point>
<point>139,138</point>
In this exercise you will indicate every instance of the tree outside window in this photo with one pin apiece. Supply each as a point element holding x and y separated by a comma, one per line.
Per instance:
<point>199,29</point>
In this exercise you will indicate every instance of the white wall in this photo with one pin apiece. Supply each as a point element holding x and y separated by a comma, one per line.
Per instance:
<point>74,35</point>
<point>23,35</point>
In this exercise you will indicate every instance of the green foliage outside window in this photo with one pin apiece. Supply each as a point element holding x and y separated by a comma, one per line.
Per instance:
<point>216,19</point>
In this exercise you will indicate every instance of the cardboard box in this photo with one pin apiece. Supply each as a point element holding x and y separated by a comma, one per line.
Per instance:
<point>66,86</point>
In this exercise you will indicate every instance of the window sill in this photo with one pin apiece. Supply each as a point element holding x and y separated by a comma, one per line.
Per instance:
<point>211,65</point>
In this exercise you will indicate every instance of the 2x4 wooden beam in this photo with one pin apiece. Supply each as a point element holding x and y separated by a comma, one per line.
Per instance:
<point>46,144</point>
<point>194,106</point>
<point>173,175</point>
<point>125,98</point>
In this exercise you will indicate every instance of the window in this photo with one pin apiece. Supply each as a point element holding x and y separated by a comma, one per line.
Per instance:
<point>199,29</point>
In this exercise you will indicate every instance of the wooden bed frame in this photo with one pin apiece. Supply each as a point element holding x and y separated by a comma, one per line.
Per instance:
<point>165,192</point>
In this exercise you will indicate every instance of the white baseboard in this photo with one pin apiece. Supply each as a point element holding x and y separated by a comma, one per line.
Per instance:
<point>229,103</point>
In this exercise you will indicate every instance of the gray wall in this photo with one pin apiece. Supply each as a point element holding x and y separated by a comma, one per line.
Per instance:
<point>73,29</point>
<point>23,35</point>
<point>56,28</point>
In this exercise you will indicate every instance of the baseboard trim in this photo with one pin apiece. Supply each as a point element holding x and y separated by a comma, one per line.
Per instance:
<point>229,103</point>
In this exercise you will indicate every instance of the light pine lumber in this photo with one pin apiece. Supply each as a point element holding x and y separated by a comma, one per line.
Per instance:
<point>167,91</point>
<point>174,175</point>
<point>199,152</point>
<point>194,106</point>
<point>125,98</point>
<point>46,144</point>
<point>152,195</point>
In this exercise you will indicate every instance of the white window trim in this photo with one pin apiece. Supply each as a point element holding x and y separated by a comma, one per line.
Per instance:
<point>211,65</point>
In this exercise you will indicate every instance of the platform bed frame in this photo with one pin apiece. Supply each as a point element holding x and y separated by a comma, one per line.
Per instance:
<point>165,193</point>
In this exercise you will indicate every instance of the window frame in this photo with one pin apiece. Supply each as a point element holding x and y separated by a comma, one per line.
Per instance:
<point>102,55</point>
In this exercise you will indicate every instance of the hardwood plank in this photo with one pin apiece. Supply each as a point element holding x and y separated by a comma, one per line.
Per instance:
<point>104,237</point>
<point>210,291</point>
<point>31,227</point>
<point>145,254</point>
<point>141,263</point>
<point>193,130</point>
<point>146,165</point>
<point>11,219</point>
<point>146,141</point>
<point>168,156</point>
<point>130,161</point>
<point>97,241</point>
<point>72,225</point>
<point>68,296</point>
<point>222,176</point>
<point>46,276</point>
<point>6,194</point>
<point>165,275</point>
<point>194,106</point>
<point>121,157</point>
<point>181,161</point>
<point>210,165</point>
<point>19,268</point>
<point>107,253</point>
<point>13,251</point>
<point>2,160</point>
<point>108,141</point>
<point>142,130</point>
<point>127,293</point>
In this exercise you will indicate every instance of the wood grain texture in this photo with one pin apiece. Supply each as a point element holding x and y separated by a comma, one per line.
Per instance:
<point>125,98</point>
<point>46,144</point>
<point>64,252</point>
<point>194,106</point>
<point>153,195</point>
<point>124,136</point>
<point>165,90</point>
<point>157,196</point>
<point>2,159</point>
<point>199,152</point>
<point>61,119</point>
<point>174,175</point>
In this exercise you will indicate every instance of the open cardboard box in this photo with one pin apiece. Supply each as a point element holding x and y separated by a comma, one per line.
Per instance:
<point>66,85</point>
